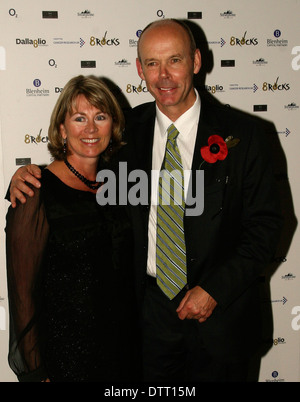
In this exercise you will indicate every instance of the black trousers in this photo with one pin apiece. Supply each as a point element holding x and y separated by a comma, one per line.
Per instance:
<point>174,350</point>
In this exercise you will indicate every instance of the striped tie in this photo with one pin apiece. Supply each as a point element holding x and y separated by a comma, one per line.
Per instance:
<point>170,242</point>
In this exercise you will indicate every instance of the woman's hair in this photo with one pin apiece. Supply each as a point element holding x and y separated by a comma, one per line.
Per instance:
<point>98,95</point>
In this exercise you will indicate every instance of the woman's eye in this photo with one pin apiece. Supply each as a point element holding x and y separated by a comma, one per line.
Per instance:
<point>100,117</point>
<point>79,118</point>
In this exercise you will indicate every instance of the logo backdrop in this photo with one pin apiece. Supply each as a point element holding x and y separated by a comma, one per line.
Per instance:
<point>251,54</point>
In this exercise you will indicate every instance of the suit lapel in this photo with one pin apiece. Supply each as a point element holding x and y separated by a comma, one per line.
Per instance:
<point>144,135</point>
<point>207,126</point>
<point>144,138</point>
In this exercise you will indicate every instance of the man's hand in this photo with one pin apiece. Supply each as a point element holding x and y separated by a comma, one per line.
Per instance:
<point>29,174</point>
<point>197,304</point>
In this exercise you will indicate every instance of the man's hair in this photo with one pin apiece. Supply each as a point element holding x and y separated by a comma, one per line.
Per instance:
<point>170,21</point>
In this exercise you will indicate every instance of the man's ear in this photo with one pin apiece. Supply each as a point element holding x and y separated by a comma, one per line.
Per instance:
<point>197,61</point>
<point>140,69</point>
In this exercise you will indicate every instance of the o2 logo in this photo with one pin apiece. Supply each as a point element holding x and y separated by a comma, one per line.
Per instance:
<point>296,60</point>
<point>160,14</point>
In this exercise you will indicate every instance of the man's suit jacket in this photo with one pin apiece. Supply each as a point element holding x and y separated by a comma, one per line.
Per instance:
<point>231,242</point>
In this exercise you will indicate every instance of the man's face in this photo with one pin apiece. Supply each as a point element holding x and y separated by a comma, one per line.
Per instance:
<point>168,68</point>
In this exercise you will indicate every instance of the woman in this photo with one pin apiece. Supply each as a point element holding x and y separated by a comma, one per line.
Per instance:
<point>68,259</point>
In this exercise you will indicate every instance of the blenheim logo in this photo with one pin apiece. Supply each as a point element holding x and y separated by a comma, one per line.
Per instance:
<point>33,42</point>
<point>277,42</point>
<point>38,91</point>
<point>244,41</point>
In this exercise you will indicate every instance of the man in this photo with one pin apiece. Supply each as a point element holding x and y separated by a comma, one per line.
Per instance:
<point>210,329</point>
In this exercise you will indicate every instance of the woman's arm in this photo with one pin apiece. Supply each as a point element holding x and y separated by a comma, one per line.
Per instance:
<point>26,238</point>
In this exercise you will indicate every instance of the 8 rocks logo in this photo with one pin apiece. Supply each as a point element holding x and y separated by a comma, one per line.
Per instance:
<point>39,139</point>
<point>244,41</point>
<point>104,41</point>
<point>136,89</point>
<point>276,86</point>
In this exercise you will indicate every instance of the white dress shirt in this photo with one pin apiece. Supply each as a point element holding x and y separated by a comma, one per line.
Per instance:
<point>187,125</point>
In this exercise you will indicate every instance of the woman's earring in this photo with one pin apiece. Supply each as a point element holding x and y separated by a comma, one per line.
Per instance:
<point>110,147</point>
<point>65,146</point>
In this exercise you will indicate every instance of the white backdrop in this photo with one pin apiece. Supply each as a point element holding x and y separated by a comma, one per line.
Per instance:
<point>254,50</point>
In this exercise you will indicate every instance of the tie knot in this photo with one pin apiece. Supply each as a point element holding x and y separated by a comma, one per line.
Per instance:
<point>172,132</point>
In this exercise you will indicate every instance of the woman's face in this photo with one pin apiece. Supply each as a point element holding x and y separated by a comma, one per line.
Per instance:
<point>87,129</point>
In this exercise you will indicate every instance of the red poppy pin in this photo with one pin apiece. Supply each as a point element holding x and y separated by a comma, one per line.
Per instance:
<point>217,148</point>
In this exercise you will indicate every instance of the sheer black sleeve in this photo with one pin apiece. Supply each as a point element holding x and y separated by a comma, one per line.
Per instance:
<point>26,239</point>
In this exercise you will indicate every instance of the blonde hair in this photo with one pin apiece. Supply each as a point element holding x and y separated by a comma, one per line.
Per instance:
<point>98,95</point>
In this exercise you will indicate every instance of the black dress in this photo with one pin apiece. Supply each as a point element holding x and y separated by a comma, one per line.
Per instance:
<point>71,292</point>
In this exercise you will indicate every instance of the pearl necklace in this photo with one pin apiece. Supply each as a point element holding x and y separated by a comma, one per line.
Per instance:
<point>94,185</point>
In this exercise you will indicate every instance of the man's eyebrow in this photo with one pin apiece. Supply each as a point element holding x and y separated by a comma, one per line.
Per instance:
<point>170,57</point>
<point>148,60</point>
<point>176,55</point>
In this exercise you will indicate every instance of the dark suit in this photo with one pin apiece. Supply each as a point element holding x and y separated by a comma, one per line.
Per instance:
<point>230,243</point>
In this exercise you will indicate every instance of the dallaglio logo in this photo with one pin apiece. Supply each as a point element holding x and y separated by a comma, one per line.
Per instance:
<point>32,42</point>
<point>214,88</point>
<point>279,341</point>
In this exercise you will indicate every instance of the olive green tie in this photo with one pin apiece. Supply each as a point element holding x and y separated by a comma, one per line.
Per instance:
<point>170,241</point>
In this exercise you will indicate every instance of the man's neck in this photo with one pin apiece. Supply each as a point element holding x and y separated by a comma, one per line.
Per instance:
<point>173,112</point>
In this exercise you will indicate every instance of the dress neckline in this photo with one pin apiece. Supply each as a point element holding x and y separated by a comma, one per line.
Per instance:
<point>53,176</point>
